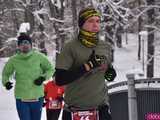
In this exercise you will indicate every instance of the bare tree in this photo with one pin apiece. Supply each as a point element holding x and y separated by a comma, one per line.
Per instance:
<point>29,17</point>
<point>150,53</point>
<point>139,36</point>
<point>56,24</point>
<point>7,28</point>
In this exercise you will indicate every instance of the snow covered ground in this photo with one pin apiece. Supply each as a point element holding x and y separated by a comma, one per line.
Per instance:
<point>125,60</point>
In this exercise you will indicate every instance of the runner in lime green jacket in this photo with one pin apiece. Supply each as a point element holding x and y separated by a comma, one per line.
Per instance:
<point>31,68</point>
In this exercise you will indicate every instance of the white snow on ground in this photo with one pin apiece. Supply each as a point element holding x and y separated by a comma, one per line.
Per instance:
<point>125,60</point>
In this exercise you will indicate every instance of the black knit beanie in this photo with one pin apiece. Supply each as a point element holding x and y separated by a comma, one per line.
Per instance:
<point>23,37</point>
<point>84,14</point>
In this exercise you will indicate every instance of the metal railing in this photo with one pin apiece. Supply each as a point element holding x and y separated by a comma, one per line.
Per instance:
<point>131,95</point>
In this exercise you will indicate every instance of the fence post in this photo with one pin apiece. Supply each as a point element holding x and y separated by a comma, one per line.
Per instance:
<point>132,100</point>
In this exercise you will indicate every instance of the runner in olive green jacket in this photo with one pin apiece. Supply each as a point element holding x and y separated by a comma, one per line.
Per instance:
<point>82,67</point>
<point>31,68</point>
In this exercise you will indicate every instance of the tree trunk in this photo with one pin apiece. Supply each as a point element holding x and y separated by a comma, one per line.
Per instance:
<point>82,3</point>
<point>139,37</point>
<point>150,53</point>
<point>29,17</point>
<point>62,35</point>
<point>58,40</point>
<point>15,21</point>
<point>118,34</point>
<point>74,14</point>
<point>14,18</point>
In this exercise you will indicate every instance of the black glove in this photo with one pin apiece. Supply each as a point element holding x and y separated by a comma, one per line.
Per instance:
<point>39,80</point>
<point>93,61</point>
<point>110,74</point>
<point>9,85</point>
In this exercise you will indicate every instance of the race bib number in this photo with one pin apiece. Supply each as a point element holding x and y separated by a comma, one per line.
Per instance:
<point>85,115</point>
<point>55,104</point>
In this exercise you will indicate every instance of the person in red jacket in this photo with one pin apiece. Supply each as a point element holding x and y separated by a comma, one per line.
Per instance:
<point>53,100</point>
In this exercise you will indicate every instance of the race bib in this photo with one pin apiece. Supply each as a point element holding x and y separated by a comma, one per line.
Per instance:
<point>85,115</point>
<point>55,104</point>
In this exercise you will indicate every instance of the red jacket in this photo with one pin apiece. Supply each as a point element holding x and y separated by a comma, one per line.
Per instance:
<point>52,92</point>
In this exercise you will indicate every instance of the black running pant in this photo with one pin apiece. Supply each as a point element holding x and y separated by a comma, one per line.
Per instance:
<point>53,114</point>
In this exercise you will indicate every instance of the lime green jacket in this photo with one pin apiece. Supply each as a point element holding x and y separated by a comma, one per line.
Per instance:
<point>27,68</point>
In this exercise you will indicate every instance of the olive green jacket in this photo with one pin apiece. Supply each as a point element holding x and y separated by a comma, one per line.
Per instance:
<point>89,90</point>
